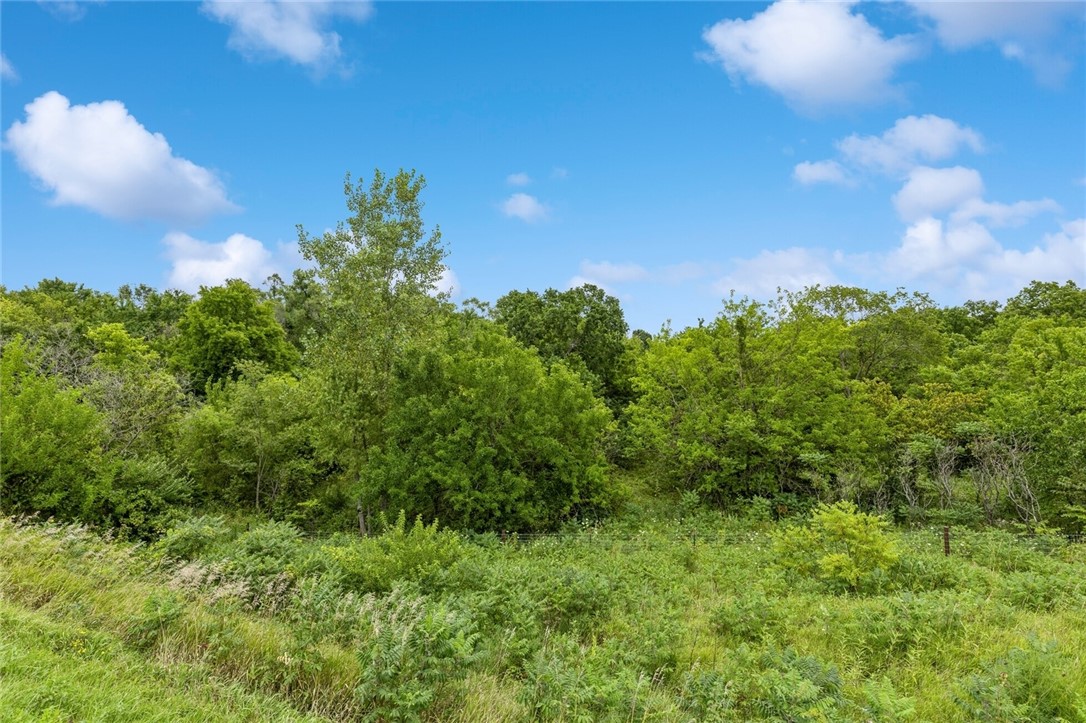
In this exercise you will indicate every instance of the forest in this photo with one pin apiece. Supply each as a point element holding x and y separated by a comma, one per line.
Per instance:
<point>340,496</point>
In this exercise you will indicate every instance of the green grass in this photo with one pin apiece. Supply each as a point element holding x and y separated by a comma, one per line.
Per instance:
<point>62,671</point>
<point>671,620</point>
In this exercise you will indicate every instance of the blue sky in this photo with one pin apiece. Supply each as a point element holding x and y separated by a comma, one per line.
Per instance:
<point>667,152</point>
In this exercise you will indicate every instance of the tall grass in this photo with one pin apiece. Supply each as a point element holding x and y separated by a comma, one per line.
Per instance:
<point>700,618</point>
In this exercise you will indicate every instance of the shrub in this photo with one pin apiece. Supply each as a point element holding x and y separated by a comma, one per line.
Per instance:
<point>410,650</point>
<point>191,538</point>
<point>840,546</point>
<point>144,498</point>
<point>268,549</point>
<point>422,553</point>
<point>748,616</point>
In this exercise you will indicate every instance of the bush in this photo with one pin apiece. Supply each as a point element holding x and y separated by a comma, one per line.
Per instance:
<point>748,616</point>
<point>193,537</point>
<point>411,648</point>
<point>51,443</point>
<point>421,553</point>
<point>267,550</point>
<point>146,495</point>
<point>840,546</point>
<point>482,436</point>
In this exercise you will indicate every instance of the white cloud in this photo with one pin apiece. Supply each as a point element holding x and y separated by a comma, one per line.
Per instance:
<point>559,174</point>
<point>518,179</point>
<point>815,54</point>
<point>968,262</point>
<point>1023,31</point>
<point>1003,214</point>
<point>809,173</point>
<point>448,283</point>
<point>607,272</point>
<point>791,269</point>
<point>934,190</point>
<point>929,248</point>
<point>99,157</point>
<point>912,139</point>
<point>198,263</point>
<point>7,70</point>
<point>297,31</point>
<point>1060,256</point>
<point>70,10</point>
<point>525,207</point>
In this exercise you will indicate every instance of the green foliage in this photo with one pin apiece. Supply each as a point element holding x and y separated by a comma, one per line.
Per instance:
<point>419,553</point>
<point>1029,683</point>
<point>379,269</point>
<point>481,436</point>
<point>1049,299</point>
<point>747,617</point>
<point>583,327</point>
<point>300,306</point>
<point>755,403</point>
<point>251,443</point>
<point>267,550</point>
<point>129,384</point>
<point>146,494</point>
<point>192,537</point>
<point>841,547</point>
<point>598,626</point>
<point>50,442</point>
<point>413,648</point>
<point>229,324</point>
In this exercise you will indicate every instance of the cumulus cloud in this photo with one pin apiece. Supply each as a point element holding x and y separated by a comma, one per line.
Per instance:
<point>525,207</point>
<point>518,179</point>
<point>809,173</point>
<point>965,259</point>
<point>297,31</point>
<point>1060,256</point>
<point>816,55</point>
<point>930,248</point>
<point>196,263</point>
<point>448,283</point>
<point>792,269</point>
<point>911,140</point>
<point>99,157</point>
<point>1023,31</point>
<point>7,70</point>
<point>928,191</point>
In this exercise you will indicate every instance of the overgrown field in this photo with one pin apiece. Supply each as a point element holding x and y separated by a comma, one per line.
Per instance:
<point>695,618</point>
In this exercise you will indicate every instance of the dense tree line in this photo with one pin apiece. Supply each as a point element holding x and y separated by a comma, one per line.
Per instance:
<point>356,388</point>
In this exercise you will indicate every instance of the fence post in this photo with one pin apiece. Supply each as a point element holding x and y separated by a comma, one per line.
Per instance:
<point>946,540</point>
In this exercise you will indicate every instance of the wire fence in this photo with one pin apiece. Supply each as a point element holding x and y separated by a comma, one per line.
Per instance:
<point>947,538</point>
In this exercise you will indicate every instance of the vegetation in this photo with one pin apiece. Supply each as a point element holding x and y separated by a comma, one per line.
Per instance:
<point>344,498</point>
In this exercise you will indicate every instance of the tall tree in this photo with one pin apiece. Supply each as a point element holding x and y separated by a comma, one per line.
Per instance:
<point>380,268</point>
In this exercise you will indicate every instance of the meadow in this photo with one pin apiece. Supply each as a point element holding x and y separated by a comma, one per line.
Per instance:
<point>665,614</point>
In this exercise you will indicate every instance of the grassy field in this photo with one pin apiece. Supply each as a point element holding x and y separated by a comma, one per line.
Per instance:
<point>699,618</point>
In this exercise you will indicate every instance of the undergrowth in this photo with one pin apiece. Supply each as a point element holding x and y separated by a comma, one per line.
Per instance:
<point>699,618</point>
